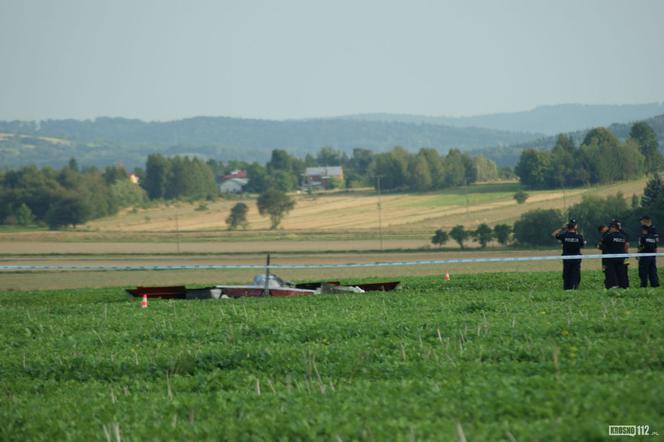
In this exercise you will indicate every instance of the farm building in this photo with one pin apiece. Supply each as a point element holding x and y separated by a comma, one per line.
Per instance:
<point>233,182</point>
<point>321,177</point>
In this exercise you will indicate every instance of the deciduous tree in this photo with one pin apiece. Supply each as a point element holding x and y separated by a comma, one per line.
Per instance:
<point>440,237</point>
<point>646,139</point>
<point>238,217</point>
<point>276,204</point>
<point>460,235</point>
<point>535,227</point>
<point>483,234</point>
<point>502,233</point>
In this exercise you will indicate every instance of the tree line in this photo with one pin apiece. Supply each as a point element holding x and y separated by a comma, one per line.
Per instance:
<point>601,158</point>
<point>68,196</point>
<point>483,234</point>
<point>398,170</point>
<point>534,228</point>
<point>73,196</point>
<point>592,212</point>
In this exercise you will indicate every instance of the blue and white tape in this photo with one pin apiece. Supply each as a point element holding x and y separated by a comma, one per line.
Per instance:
<point>322,266</point>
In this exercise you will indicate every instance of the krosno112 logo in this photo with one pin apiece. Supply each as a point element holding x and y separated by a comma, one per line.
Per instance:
<point>630,430</point>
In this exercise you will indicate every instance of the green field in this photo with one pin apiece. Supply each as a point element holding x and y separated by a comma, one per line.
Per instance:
<point>494,356</point>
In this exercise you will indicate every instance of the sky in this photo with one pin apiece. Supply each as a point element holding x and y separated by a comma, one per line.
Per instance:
<point>171,59</point>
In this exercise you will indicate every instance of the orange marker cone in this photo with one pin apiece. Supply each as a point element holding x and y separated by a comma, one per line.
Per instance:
<point>447,276</point>
<point>144,302</point>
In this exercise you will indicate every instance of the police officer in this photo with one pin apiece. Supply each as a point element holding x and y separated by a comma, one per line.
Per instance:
<point>615,242</point>
<point>603,230</point>
<point>572,243</point>
<point>648,244</point>
<point>620,228</point>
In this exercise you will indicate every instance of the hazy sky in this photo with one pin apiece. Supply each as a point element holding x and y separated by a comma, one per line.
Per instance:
<point>168,59</point>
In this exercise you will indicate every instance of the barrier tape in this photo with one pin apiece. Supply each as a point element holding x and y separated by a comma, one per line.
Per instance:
<point>325,266</point>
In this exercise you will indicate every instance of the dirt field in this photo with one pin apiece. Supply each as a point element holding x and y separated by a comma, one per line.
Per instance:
<point>104,247</point>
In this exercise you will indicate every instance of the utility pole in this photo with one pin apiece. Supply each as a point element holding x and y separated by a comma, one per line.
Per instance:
<point>380,213</point>
<point>465,191</point>
<point>177,232</point>
<point>266,287</point>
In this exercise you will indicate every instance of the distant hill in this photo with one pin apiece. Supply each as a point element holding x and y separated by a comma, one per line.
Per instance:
<point>509,155</point>
<point>501,137</point>
<point>111,140</point>
<point>548,120</point>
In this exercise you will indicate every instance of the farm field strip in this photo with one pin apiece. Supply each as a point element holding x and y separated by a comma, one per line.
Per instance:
<point>348,211</point>
<point>46,247</point>
<point>35,280</point>
<point>299,258</point>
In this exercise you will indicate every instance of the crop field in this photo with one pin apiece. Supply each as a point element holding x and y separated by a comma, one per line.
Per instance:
<point>497,356</point>
<point>342,212</point>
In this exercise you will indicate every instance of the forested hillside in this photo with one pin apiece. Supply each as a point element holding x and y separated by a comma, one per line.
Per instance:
<point>509,155</point>
<point>106,141</point>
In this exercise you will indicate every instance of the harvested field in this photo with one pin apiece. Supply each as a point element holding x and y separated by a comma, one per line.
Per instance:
<point>340,212</point>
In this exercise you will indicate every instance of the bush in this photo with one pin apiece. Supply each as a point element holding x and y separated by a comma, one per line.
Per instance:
<point>535,227</point>
<point>593,211</point>
<point>24,216</point>
<point>521,197</point>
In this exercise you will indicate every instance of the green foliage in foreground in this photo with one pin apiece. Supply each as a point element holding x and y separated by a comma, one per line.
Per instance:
<point>504,355</point>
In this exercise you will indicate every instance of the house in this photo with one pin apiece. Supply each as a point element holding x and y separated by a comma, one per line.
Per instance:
<point>235,174</point>
<point>234,185</point>
<point>133,178</point>
<point>233,182</point>
<point>321,177</point>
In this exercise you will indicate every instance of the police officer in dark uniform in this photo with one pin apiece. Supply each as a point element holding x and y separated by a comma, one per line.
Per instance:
<point>648,244</point>
<point>626,251</point>
<point>572,243</point>
<point>615,242</point>
<point>603,230</point>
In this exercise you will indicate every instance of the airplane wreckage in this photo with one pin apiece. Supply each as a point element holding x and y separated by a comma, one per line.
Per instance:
<point>262,285</point>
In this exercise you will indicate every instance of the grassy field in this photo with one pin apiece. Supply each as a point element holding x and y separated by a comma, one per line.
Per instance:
<point>492,357</point>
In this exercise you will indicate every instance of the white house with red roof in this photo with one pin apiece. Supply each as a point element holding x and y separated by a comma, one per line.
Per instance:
<point>233,182</point>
